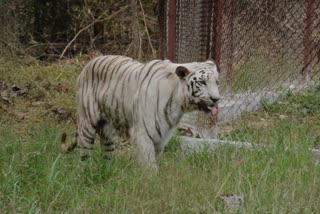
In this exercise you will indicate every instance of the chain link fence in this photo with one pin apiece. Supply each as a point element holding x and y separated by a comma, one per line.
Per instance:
<point>264,48</point>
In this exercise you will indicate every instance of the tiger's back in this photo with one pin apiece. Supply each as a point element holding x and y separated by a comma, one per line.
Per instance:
<point>100,85</point>
<point>108,86</point>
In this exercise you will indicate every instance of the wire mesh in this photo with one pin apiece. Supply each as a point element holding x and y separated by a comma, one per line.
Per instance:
<point>264,48</point>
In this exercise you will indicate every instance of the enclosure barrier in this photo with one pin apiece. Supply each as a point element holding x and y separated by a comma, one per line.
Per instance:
<point>263,48</point>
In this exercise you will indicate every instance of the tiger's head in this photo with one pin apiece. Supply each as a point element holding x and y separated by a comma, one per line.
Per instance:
<point>202,81</point>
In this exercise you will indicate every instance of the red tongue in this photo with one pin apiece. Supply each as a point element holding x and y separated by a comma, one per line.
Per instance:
<point>214,110</point>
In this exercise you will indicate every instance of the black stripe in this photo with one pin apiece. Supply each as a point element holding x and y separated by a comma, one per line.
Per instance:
<point>158,103</point>
<point>130,75</point>
<point>134,108</point>
<point>101,104</point>
<point>124,71</point>
<point>157,117</point>
<point>83,158</point>
<point>149,70</point>
<point>109,149</point>
<point>145,127</point>
<point>113,71</point>
<point>88,139</point>
<point>122,91</point>
<point>106,69</point>
<point>89,113</point>
<point>83,97</point>
<point>127,83</point>
<point>124,84</point>
<point>106,109</point>
<point>124,114</point>
<point>174,91</point>
<point>146,91</point>
<point>93,69</point>
<point>94,90</point>
<point>101,70</point>
<point>133,71</point>
<point>192,75</point>
<point>158,98</point>
<point>119,81</point>
<point>117,112</point>
<point>105,72</point>
<point>86,131</point>
<point>193,93</point>
<point>109,143</point>
<point>157,124</point>
<point>84,147</point>
<point>87,110</point>
<point>167,107</point>
<point>141,71</point>
<point>84,83</point>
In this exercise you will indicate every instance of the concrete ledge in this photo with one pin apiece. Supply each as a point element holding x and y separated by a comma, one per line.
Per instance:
<point>190,144</point>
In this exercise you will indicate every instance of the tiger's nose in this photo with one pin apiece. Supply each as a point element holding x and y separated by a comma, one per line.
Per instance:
<point>214,99</point>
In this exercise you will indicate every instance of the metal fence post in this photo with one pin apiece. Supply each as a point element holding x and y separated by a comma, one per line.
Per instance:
<point>307,41</point>
<point>217,30</point>
<point>161,12</point>
<point>230,26</point>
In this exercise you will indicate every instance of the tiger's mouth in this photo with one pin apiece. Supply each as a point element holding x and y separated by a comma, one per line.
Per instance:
<point>208,108</point>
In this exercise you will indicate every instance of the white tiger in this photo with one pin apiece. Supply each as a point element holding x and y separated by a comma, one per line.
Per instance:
<point>142,102</point>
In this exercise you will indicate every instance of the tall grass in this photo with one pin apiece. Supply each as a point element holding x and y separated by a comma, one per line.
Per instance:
<point>35,177</point>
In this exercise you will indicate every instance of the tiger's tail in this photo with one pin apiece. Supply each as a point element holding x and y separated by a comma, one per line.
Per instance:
<point>64,147</point>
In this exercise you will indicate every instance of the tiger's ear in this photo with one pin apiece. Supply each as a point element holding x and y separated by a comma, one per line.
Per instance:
<point>182,72</point>
<point>211,62</point>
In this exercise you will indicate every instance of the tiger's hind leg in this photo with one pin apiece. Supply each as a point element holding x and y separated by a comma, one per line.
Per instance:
<point>86,134</point>
<point>107,147</point>
<point>106,140</point>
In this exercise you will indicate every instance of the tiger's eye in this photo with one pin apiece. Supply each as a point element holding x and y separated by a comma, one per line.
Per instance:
<point>203,82</point>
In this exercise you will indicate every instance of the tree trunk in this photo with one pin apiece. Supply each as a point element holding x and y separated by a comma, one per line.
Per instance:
<point>136,40</point>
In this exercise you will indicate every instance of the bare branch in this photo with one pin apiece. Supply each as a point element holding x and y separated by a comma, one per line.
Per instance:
<point>99,19</point>
<point>17,49</point>
<point>135,30</point>
<point>147,31</point>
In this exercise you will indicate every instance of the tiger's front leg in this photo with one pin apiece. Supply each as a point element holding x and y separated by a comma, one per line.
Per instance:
<point>85,139</point>
<point>144,149</point>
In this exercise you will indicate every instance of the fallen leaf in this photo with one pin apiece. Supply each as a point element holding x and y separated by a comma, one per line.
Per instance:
<point>38,103</point>
<point>282,116</point>
<point>39,96</point>
<point>62,113</point>
<point>21,115</point>
<point>17,91</point>
<point>232,202</point>
<point>3,86</point>
<point>237,163</point>
<point>60,88</point>
<point>5,96</point>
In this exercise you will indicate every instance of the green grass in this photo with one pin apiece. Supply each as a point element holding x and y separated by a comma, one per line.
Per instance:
<point>36,178</point>
<point>260,73</point>
<point>294,121</point>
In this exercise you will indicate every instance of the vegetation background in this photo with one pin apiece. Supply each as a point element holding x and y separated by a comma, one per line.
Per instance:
<point>43,29</point>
